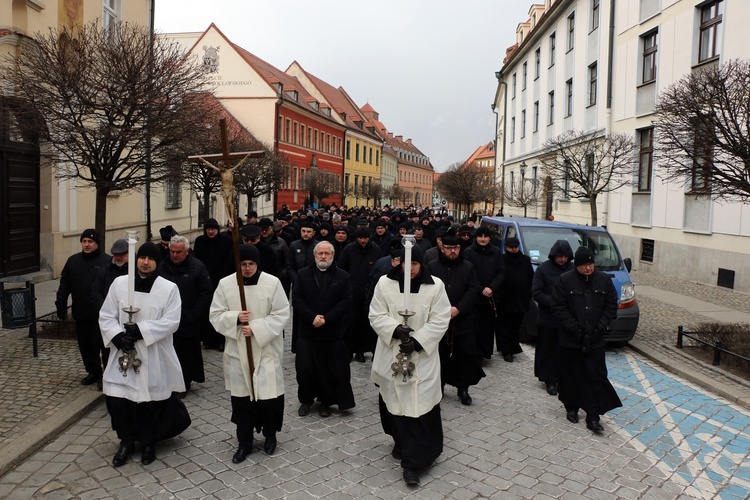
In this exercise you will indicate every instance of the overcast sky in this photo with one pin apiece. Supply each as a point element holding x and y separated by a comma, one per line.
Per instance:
<point>427,66</point>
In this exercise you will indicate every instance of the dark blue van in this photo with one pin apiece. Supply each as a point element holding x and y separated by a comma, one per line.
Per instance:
<point>538,236</point>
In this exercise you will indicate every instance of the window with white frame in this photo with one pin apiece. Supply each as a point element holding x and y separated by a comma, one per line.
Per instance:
<point>592,84</point>
<point>111,12</point>
<point>571,30</point>
<point>569,98</point>
<point>566,179</point>
<point>700,181</point>
<point>537,62</point>
<point>174,193</point>
<point>594,14</point>
<point>645,158</point>
<point>552,47</point>
<point>523,124</point>
<point>551,108</point>
<point>513,129</point>
<point>650,47</point>
<point>523,77</point>
<point>515,81</point>
<point>711,15</point>
<point>536,116</point>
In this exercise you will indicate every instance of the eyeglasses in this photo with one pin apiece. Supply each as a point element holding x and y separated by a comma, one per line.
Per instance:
<point>451,248</point>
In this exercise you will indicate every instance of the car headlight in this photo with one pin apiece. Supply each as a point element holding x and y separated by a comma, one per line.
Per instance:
<point>627,294</point>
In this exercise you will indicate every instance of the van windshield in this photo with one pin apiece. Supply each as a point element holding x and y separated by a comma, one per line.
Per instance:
<point>537,242</point>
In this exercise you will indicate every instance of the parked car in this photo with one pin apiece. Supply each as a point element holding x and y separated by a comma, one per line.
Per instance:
<point>538,236</point>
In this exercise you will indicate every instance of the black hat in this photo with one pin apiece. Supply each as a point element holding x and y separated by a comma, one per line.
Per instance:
<point>309,224</point>
<point>395,246</point>
<point>512,242</point>
<point>211,224</point>
<point>119,247</point>
<point>265,222</point>
<point>251,213</point>
<point>417,254</point>
<point>464,229</point>
<point>362,232</point>
<point>249,252</point>
<point>326,225</point>
<point>250,231</point>
<point>450,238</point>
<point>167,232</point>
<point>380,223</point>
<point>92,234</point>
<point>149,249</point>
<point>583,256</point>
<point>343,229</point>
<point>483,231</point>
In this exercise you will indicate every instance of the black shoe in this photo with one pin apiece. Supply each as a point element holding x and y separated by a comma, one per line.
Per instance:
<point>463,394</point>
<point>508,358</point>
<point>99,385</point>
<point>324,411</point>
<point>270,445</point>
<point>242,453</point>
<point>595,426</point>
<point>359,358</point>
<point>181,395</point>
<point>552,389</point>
<point>148,455</point>
<point>396,452</point>
<point>220,347</point>
<point>304,410</point>
<point>90,379</point>
<point>572,416</point>
<point>122,454</point>
<point>410,477</point>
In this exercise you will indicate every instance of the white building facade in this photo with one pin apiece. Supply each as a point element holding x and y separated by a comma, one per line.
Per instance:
<point>661,225</point>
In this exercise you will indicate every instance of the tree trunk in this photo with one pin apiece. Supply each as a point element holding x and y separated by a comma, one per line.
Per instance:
<point>249,202</point>
<point>100,215</point>
<point>206,212</point>
<point>594,216</point>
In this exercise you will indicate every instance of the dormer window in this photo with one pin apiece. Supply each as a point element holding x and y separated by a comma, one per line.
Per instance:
<point>295,95</point>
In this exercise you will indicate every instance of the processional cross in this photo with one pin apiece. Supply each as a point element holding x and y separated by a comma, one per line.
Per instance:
<point>226,171</point>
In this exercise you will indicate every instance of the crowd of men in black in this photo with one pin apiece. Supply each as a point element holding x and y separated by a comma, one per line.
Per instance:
<point>489,288</point>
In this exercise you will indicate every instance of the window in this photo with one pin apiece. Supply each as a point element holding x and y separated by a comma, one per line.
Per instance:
<point>552,42</point>
<point>647,250</point>
<point>566,179</point>
<point>513,129</point>
<point>348,150</point>
<point>537,62</point>
<point>551,109</point>
<point>536,116</point>
<point>370,156</point>
<point>523,124</point>
<point>645,158</point>
<point>523,81</point>
<point>515,79</point>
<point>571,30</point>
<point>649,57</point>
<point>710,30</point>
<point>302,135</point>
<point>315,139</point>
<point>594,14</point>
<point>110,13</point>
<point>377,158</point>
<point>569,98</point>
<point>288,130</point>
<point>295,178</point>
<point>592,84</point>
<point>174,194</point>
<point>296,129</point>
<point>356,152</point>
<point>588,165</point>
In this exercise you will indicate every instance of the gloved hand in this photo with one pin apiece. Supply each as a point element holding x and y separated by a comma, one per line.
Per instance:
<point>117,340</point>
<point>62,314</point>
<point>127,344</point>
<point>132,330</point>
<point>407,346</point>
<point>402,332</point>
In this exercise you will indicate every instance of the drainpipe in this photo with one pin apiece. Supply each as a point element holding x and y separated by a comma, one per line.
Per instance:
<point>500,81</point>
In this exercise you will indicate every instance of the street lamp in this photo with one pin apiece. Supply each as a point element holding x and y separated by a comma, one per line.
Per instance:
<point>523,170</point>
<point>313,180</point>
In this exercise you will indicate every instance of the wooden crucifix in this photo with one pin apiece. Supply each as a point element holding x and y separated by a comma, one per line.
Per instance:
<point>226,171</point>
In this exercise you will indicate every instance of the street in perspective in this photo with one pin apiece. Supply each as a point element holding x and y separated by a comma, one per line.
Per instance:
<point>672,438</point>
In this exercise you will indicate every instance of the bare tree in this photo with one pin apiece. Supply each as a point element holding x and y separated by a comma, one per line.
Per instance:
<point>584,165</point>
<point>702,131</point>
<point>522,194</point>
<point>261,176</point>
<point>112,103</point>
<point>386,193</point>
<point>465,184</point>
<point>320,184</point>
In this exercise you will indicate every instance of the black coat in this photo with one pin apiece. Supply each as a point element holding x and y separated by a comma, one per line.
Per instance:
<point>333,300</point>
<point>358,261</point>
<point>300,255</point>
<point>515,292</point>
<point>461,285</point>
<point>102,282</point>
<point>76,278</point>
<point>196,292</point>
<point>544,279</point>
<point>489,266</point>
<point>214,252</point>
<point>584,306</point>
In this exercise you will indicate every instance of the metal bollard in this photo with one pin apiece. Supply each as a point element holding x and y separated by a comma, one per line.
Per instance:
<point>717,353</point>
<point>679,336</point>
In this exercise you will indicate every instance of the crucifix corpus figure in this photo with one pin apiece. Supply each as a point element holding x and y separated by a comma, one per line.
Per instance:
<point>226,171</point>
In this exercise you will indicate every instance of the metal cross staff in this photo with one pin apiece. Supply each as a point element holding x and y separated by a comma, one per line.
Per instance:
<point>227,193</point>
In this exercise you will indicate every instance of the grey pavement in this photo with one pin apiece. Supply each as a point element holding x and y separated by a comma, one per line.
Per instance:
<point>514,442</point>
